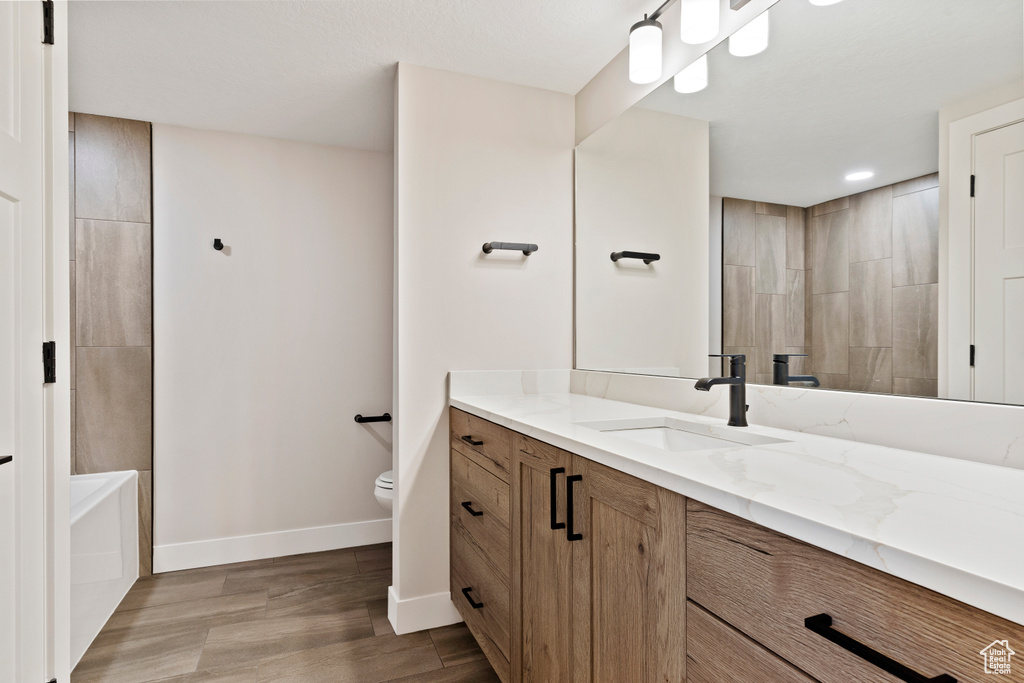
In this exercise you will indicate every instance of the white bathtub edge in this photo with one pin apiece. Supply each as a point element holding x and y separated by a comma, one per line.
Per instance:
<point>178,556</point>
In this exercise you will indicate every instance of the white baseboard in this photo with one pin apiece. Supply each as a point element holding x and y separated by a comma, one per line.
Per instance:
<point>421,612</point>
<point>169,558</point>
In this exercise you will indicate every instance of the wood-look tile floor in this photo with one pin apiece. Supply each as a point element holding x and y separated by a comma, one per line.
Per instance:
<point>310,618</point>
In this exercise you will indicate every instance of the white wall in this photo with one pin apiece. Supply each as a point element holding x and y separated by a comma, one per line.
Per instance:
<point>476,161</point>
<point>642,185</point>
<point>264,352</point>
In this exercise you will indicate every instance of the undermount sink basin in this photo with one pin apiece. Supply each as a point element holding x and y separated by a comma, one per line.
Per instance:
<point>679,436</point>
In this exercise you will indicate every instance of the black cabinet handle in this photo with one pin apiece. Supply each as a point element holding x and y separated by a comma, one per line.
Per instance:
<point>6,459</point>
<point>469,439</point>
<point>822,625</point>
<point>472,603</point>
<point>555,471</point>
<point>386,417</point>
<point>569,481</point>
<point>469,506</point>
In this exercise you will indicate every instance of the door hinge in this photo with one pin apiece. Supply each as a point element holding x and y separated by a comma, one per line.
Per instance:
<point>48,22</point>
<point>49,362</point>
<point>972,185</point>
<point>972,355</point>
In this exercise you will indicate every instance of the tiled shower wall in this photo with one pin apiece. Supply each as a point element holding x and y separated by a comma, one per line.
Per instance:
<point>869,280</point>
<point>111,305</point>
<point>764,279</point>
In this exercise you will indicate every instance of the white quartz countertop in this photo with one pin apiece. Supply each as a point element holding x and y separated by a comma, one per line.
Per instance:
<point>954,526</point>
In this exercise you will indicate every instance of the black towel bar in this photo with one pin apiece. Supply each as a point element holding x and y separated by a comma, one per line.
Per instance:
<point>647,258</point>
<point>386,417</point>
<point>510,246</point>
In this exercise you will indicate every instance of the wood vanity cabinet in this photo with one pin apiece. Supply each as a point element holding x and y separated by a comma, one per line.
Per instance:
<point>567,571</point>
<point>758,585</point>
<point>596,568</point>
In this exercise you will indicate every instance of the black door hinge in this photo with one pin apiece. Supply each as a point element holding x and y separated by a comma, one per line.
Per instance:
<point>972,185</point>
<point>48,22</point>
<point>49,362</point>
<point>972,355</point>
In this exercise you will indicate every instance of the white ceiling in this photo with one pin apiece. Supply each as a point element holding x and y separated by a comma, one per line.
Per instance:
<point>322,71</point>
<point>847,87</point>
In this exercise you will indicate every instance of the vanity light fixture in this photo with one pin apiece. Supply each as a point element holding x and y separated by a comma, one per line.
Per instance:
<point>645,51</point>
<point>860,175</point>
<point>693,78</point>
<point>752,39</point>
<point>698,21</point>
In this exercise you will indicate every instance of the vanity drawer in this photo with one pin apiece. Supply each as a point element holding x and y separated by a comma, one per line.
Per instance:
<point>490,619</point>
<point>483,490</point>
<point>766,584</point>
<point>485,533</point>
<point>718,653</point>
<point>484,442</point>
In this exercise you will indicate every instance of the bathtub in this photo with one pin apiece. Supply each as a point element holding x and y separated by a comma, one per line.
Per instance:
<point>104,551</point>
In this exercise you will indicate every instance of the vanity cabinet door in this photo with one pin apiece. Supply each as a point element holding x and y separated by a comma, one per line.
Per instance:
<point>542,577</point>
<point>629,570</point>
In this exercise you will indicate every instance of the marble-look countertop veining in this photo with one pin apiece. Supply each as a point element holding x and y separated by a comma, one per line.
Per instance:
<point>954,526</point>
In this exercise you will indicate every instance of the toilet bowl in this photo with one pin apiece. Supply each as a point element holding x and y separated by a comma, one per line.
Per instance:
<point>383,489</point>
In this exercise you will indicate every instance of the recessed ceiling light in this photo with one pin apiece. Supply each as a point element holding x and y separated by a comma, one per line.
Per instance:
<point>860,175</point>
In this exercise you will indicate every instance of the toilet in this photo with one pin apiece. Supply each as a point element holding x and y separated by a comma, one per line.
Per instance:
<point>383,489</point>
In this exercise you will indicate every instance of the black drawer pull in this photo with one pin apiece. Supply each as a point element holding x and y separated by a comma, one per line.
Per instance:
<point>469,506</point>
<point>6,459</point>
<point>471,441</point>
<point>473,603</point>
<point>569,532</point>
<point>555,471</point>
<point>822,625</point>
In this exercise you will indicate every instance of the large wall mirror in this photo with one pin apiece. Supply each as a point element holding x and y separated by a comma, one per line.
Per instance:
<point>792,205</point>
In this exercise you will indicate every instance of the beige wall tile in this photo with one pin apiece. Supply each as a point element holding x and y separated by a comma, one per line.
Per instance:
<point>761,378</point>
<point>114,284</point>
<point>71,195</point>
<point>737,232</point>
<point>112,169</point>
<point>871,303</point>
<point>737,306</point>
<point>796,307</point>
<point>833,381</point>
<point>871,370</point>
<point>915,313</point>
<point>925,182</point>
<point>915,387</point>
<point>114,400</point>
<point>72,278</point>
<point>830,255</point>
<point>831,334</point>
<point>871,225</point>
<point>770,329</point>
<point>915,250</point>
<point>145,523</point>
<point>771,209</point>
<point>840,204</point>
<point>770,254</point>
<point>795,238</point>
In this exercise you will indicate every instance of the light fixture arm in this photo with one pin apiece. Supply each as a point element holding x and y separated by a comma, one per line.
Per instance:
<point>661,10</point>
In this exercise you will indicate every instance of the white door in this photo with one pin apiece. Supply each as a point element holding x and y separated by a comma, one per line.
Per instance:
<point>23,495</point>
<point>999,265</point>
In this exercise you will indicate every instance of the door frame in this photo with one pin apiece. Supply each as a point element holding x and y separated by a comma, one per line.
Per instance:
<point>956,251</point>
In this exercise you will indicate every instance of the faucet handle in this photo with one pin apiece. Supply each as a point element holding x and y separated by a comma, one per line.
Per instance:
<point>728,355</point>
<point>784,357</point>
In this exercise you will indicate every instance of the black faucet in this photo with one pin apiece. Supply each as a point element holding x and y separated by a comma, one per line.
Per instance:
<point>780,371</point>
<point>737,382</point>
